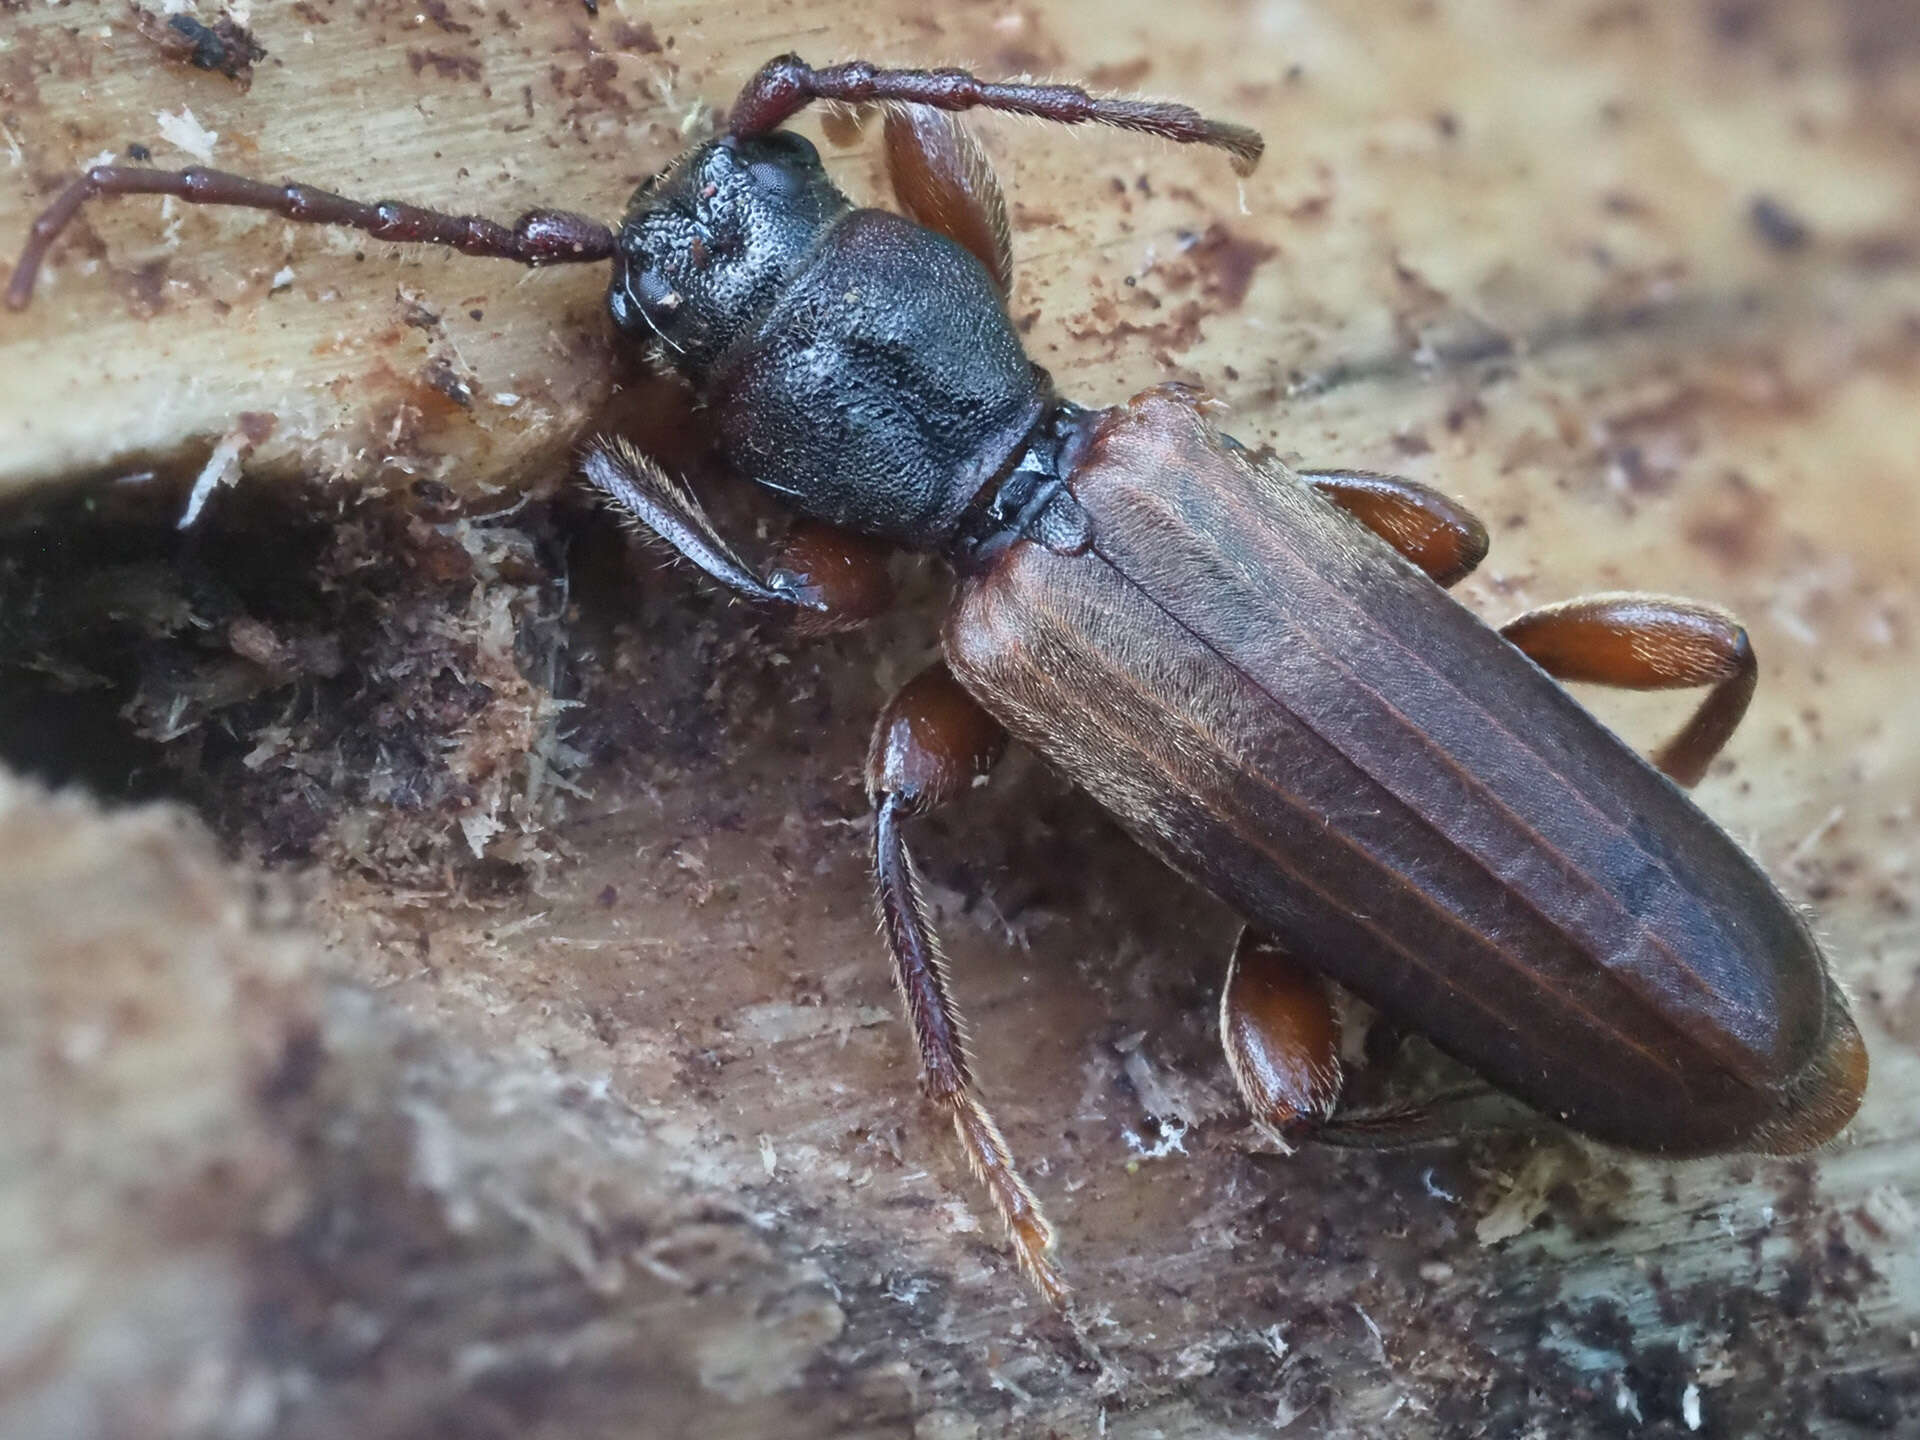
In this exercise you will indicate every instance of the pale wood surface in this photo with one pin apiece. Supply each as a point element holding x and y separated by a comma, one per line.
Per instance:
<point>1505,248</point>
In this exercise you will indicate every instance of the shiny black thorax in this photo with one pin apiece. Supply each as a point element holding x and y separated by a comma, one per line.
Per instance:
<point>859,365</point>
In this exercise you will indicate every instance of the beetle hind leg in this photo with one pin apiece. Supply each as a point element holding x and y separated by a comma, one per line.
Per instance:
<point>932,743</point>
<point>1282,1034</point>
<point>1282,1038</point>
<point>1651,642</point>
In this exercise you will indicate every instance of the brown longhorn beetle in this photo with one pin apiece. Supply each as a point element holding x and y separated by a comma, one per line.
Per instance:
<point>1257,670</point>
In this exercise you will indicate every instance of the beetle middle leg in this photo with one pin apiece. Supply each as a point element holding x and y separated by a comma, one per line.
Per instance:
<point>932,744</point>
<point>1650,642</point>
<point>1442,537</point>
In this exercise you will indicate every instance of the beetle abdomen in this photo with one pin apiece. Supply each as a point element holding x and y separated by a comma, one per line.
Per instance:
<point>1279,706</point>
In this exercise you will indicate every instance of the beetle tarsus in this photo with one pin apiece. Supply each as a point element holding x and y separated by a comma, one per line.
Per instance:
<point>992,1165</point>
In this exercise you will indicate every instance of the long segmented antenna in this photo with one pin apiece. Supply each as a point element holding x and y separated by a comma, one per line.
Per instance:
<point>786,86</point>
<point>782,88</point>
<point>539,237</point>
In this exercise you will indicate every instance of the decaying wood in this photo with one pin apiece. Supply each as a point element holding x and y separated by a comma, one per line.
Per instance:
<point>226,1171</point>
<point>593,1113</point>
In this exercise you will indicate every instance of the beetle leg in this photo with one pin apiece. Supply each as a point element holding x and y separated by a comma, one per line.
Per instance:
<point>539,237</point>
<point>845,573</point>
<point>943,179</point>
<point>1440,536</point>
<point>1450,1114</point>
<point>658,505</point>
<point>932,744</point>
<point>1650,642</point>
<point>1281,1036</point>
<point>786,85</point>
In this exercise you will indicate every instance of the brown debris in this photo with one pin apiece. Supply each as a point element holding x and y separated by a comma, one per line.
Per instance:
<point>225,47</point>
<point>1778,227</point>
<point>295,669</point>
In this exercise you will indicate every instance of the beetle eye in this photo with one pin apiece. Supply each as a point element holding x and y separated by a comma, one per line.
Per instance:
<point>784,162</point>
<point>769,176</point>
<point>653,290</point>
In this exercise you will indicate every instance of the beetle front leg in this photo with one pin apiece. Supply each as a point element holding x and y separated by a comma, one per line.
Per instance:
<point>943,179</point>
<point>1282,1038</point>
<point>839,578</point>
<point>1442,537</point>
<point>1650,642</point>
<point>658,505</point>
<point>831,579</point>
<point>932,744</point>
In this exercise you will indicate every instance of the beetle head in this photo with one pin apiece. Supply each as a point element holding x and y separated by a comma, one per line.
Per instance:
<point>708,244</point>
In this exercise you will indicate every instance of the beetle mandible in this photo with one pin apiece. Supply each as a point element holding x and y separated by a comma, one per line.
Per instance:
<point>1258,671</point>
